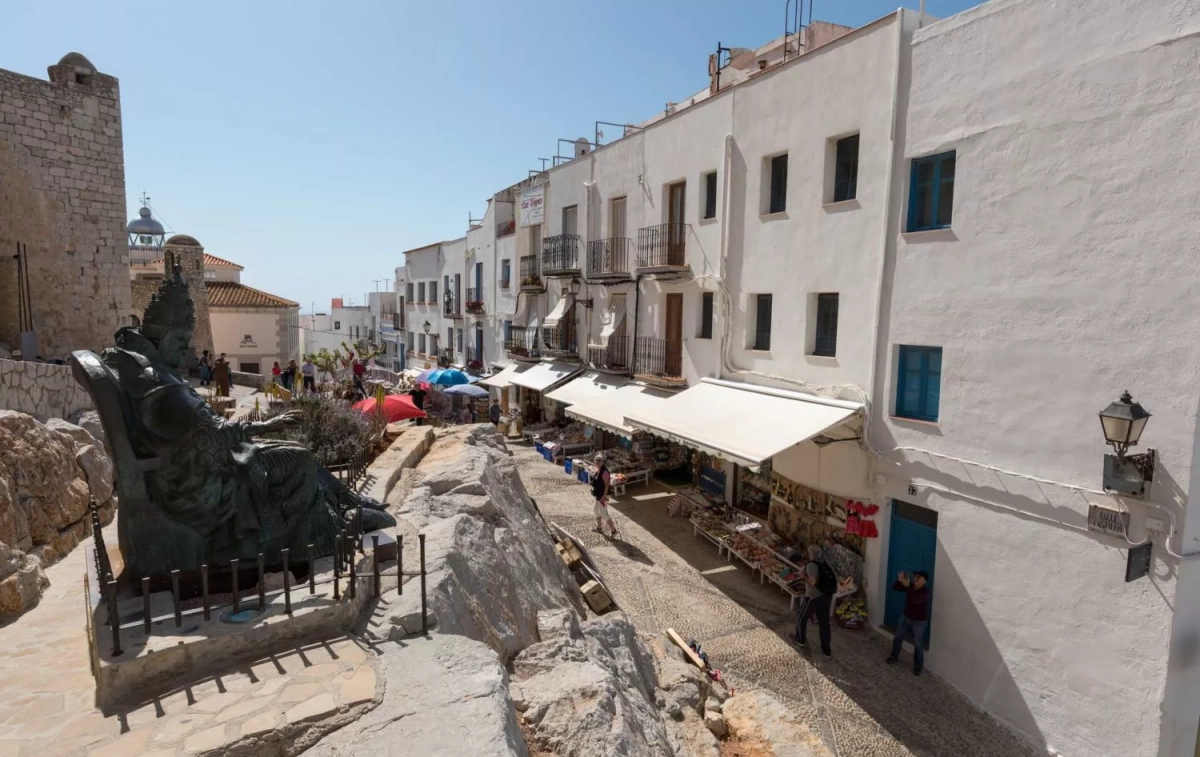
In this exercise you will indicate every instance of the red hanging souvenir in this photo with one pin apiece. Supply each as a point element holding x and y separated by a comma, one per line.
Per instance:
<point>852,524</point>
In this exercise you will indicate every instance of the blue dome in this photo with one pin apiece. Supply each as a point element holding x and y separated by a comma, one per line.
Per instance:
<point>144,224</point>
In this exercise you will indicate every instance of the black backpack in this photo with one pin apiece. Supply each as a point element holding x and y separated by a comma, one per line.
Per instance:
<point>598,483</point>
<point>826,579</point>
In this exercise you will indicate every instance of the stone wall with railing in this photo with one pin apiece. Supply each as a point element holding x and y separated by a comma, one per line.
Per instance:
<point>43,390</point>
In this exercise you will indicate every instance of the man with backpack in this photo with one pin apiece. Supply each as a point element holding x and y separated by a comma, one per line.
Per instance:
<point>600,486</point>
<point>820,586</point>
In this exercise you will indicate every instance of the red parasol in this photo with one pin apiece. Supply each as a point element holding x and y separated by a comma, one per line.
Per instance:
<point>396,407</point>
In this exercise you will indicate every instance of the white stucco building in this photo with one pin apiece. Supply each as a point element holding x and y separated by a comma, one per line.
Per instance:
<point>907,266</point>
<point>343,324</point>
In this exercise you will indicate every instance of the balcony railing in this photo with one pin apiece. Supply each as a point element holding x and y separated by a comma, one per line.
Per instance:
<point>506,228</point>
<point>446,357</point>
<point>474,358</point>
<point>522,342</point>
<point>560,254</point>
<point>609,258</point>
<point>659,360</point>
<point>559,341</point>
<point>474,301</point>
<point>613,357</point>
<point>451,307</point>
<point>663,246</point>
<point>531,274</point>
<point>398,321</point>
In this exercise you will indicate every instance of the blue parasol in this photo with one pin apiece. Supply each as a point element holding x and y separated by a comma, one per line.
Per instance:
<point>467,390</point>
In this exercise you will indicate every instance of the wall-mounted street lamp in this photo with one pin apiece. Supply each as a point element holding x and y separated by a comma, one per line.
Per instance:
<point>573,287</point>
<point>1123,422</point>
<point>426,327</point>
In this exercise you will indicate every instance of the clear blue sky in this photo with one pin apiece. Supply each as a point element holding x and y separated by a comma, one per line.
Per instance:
<point>313,142</point>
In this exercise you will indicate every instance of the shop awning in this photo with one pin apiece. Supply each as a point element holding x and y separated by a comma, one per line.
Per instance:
<point>590,385</point>
<point>541,377</point>
<point>556,315</point>
<point>608,412</point>
<point>502,379</point>
<point>741,423</point>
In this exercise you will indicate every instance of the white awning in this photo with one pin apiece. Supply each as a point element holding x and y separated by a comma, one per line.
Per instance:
<point>586,387</point>
<point>608,412</point>
<point>556,315</point>
<point>541,377</point>
<point>741,423</point>
<point>612,319</point>
<point>502,379</point>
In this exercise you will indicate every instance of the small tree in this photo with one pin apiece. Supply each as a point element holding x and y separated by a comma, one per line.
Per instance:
<point>331,428</point>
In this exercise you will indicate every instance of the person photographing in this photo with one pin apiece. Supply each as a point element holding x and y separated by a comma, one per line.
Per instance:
<point>915,618</point>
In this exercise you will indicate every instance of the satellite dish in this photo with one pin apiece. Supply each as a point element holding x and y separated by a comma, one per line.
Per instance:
<point>582,147</point>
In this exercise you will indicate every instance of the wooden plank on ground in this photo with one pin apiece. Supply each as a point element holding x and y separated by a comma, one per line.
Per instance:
<point>679,642</point>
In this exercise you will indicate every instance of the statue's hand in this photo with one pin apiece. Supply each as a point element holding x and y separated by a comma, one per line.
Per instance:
<point>290,418</point>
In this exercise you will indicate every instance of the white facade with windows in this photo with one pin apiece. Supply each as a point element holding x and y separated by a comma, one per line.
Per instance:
<point>969,236</point>
<point>1042,263</point>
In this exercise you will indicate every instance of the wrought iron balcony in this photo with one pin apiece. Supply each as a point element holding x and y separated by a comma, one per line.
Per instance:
<point>662,248</point>
<point>659,361</point>
<point>560,255</point>
<point>451,306</point>
<point>474,301</point>
<point>398,321</point>
<point>560,340</point>
<point>522,343</point>
<point>446,357</point>
<point>531,275</point>
<point>613,357</point>
<point>609,258</point>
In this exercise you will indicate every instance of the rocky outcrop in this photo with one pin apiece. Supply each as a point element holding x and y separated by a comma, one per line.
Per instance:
<point>48,473</point>
<point>491,563</point>
<point>89,421</point>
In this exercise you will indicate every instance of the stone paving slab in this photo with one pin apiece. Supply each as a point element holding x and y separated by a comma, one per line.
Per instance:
<point>47,692</point>
<point>664,577</point>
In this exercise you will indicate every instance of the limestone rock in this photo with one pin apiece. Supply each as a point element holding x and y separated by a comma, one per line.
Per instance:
<point>759,718</point>
<point>491,562</point>
<point>715,722</point>
<point>446,695</point>
<point>592,693</point>
<point>48,474</point>
<point>89,420</point>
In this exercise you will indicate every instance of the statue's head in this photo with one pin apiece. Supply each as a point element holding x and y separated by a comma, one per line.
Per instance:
<point>170,320</point>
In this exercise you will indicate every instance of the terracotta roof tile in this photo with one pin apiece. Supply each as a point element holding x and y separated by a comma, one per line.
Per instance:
<point>231,294</point>
<point>210,261</point>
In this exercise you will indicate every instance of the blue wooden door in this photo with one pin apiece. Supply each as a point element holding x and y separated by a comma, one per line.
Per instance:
<point>912,546</point>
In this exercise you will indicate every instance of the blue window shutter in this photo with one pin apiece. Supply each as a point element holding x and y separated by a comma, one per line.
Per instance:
<point>919,382</point>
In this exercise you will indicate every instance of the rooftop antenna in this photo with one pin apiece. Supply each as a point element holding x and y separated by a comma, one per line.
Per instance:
<point>720,62</point>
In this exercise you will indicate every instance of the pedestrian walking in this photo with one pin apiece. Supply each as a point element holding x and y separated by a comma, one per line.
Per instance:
<point>820,584</point>
<point>289,375</point>
<point>221,374</point>
<point>309,372</point>
<point>494,413</point>
<point>276,373</point>
<point>205,369</point>
<point>914,620</point>
<point>601,483</point>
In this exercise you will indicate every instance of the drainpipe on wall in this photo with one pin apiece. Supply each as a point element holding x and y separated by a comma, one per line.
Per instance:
<point>722,290</point>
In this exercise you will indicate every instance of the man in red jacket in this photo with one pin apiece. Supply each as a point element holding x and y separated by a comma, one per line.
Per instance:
<point>914,619</point>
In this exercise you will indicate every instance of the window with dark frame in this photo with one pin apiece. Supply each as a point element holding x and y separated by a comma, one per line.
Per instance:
<point>710,194</point>
<point>931,192</point>
<point>919,382</point>
<point>337,325</point>
<point>825,344</point>
<point>762,322</point>
<point>778,198</point>
<point>421,292</point>
<point>505,273</point>
<point>706,315</point>
<point>845,173</point>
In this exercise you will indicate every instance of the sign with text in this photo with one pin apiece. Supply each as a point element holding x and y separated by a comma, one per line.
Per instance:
<point>1105,521</point>
<point>533,205</point>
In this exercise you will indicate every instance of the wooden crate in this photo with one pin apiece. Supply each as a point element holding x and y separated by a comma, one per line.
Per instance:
<point>597,596</point>
<point>568,552</point>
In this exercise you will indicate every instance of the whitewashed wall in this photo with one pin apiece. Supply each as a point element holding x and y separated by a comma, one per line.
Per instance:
<point>1068,275</point>
<point>42,390</point>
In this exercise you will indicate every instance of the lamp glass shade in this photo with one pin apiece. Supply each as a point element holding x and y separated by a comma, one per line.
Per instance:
<point>1123,421</point>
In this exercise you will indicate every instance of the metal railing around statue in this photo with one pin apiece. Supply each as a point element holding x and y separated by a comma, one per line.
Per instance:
<point>349,541</point>
<point>353,473</point>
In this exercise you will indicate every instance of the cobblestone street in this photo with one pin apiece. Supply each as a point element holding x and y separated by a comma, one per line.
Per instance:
<point>664,577</point>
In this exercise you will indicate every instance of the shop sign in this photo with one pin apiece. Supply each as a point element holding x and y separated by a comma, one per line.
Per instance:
<point>248,342</point>
<point>1103,520</point>
<point>712,480</point>
<point>533,205</point>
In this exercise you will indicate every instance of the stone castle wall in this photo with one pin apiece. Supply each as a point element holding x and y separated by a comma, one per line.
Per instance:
<point>63,196</point>
<point>42,390</point>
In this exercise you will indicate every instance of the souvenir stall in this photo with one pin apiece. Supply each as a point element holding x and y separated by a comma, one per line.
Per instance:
<point>534,381</point>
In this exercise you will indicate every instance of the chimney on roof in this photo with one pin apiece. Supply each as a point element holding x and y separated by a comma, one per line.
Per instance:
<point>337,302</point>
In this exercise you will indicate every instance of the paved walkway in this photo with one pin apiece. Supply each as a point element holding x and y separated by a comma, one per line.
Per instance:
<point>664,577</point>
<point>47,691</point>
